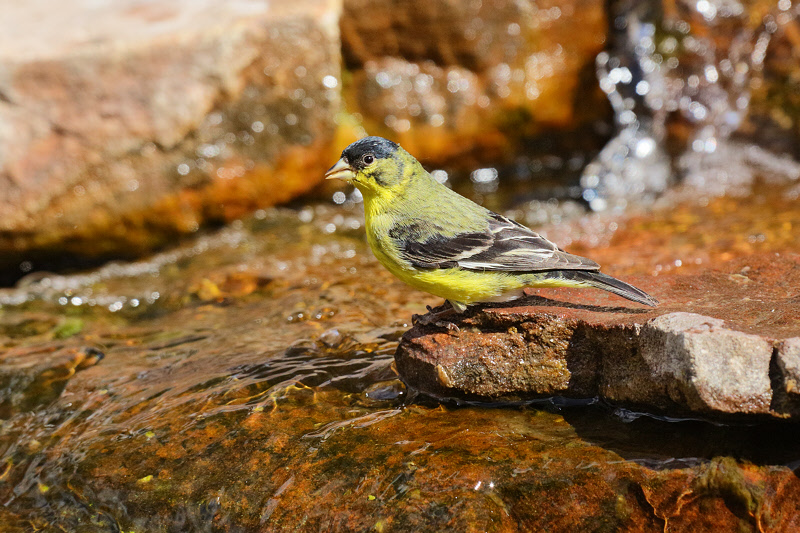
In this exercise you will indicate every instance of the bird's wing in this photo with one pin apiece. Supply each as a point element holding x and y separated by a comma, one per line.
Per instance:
<point>504,246</point>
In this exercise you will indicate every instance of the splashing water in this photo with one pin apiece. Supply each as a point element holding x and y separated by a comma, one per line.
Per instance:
<point>672,64</point>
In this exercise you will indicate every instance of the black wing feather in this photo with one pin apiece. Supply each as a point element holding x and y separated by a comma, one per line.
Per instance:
<point>504,246</point>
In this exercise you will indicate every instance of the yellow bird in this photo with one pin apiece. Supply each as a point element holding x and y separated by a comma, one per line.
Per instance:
<point>437,241</point>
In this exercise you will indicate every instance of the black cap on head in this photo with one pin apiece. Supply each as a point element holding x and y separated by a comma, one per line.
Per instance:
<point>378,147</point>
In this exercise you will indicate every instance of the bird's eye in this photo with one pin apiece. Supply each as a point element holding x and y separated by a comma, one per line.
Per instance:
<point>368,159</point>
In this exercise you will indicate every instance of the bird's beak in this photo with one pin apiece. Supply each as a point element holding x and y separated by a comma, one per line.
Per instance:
<point>341,170</point>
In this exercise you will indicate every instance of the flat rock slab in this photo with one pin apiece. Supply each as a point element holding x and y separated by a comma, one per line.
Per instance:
<point>721,344</point>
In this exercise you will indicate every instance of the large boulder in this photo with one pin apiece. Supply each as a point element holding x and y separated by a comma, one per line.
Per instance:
<point>449,78</point>
<point>126,123</point>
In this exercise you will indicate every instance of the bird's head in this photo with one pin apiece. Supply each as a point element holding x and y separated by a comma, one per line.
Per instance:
<point>373,164</point>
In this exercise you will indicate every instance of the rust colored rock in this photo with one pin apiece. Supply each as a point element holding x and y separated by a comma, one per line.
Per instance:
<point>445,78</point>
<point>27,385</point>
<point>709,348</point>
<point>137,122</point>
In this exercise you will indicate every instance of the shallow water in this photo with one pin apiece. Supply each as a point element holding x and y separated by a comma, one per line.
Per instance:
<point>246,383</point>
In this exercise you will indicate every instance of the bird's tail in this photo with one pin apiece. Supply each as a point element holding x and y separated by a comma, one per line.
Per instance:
<point>607,283</point>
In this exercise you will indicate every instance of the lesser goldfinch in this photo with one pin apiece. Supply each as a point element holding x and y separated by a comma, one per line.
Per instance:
<point>437,241</point>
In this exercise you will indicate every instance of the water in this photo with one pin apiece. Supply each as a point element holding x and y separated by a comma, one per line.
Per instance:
<point>257,391</point>
<point>694,63</point>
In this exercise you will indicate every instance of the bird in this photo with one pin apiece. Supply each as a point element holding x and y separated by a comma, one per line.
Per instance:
<point>440,242</point>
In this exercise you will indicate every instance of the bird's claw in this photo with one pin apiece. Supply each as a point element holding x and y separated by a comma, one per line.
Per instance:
<point>435,318</point>
<point>425,320</point>
<point>449,326</point>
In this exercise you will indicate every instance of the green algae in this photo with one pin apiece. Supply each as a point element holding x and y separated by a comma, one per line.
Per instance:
<point>68,327</point>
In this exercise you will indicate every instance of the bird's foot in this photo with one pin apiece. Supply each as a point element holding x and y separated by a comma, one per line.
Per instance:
<point>451,327</point>
<point>435,319</point>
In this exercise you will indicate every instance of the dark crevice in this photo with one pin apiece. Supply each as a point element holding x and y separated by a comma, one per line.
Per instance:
<point>776,382</point>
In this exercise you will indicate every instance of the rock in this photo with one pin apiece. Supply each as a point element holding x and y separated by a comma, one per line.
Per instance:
<point>789,365</point>
<point>710,348</point>
<point>27,385</point>
<point>786,376</point>
<point>697,361</point>
<point>446,78</point>
<point>136,122</point>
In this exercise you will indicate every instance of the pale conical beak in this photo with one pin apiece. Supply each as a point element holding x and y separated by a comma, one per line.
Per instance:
<point>341,170</point>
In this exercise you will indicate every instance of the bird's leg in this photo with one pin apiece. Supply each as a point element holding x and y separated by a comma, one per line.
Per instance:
<point>435,318</point>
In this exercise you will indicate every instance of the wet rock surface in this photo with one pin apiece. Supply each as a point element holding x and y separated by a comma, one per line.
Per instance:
<point>452,79</point>
<point>722,342</point>
<point>139,121</point>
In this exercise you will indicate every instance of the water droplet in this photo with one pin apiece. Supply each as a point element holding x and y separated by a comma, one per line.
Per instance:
<point>483,175</point>
<point>645,147</point>
<point>330,82</point>
<point>440,176</point>
<point>707,9</point>
<point>698,110</point>
<point>306,215</point>
<point>598,204</point>
<point>711,74</point>
<point>384,80</point>
<point>208,150</point>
